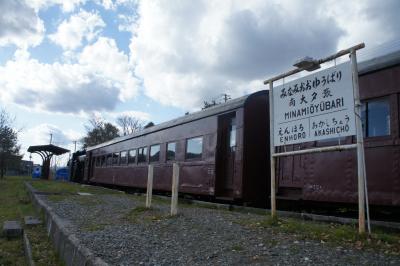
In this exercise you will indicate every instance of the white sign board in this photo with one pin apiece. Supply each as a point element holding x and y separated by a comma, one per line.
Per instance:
<point>315,107</point>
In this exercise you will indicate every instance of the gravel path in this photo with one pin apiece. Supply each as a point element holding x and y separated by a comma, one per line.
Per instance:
<point>121,234</point>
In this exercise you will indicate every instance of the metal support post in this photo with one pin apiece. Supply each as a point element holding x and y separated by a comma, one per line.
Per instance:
<point>360,145</point>
<point>272,150</point>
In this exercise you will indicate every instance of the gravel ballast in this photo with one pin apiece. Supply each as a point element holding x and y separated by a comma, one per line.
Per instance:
<point>120,231</point>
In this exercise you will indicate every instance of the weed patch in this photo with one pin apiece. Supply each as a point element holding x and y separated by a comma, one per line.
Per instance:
<point>143,214</point>
<point>62,187</point>
<point>334,233</point>
<point>15,204</point>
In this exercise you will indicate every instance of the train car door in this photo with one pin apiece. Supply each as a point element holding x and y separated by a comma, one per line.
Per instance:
<point>88,167</point>
<point>226,155</point>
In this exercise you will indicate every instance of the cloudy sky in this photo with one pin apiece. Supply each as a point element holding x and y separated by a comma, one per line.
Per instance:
<point>61,61</point>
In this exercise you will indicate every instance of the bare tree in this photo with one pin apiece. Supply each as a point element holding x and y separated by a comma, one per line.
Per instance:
<point>9,148</point>
<point>94,122</point>
<point>98,132</point>
<point>129,124</point>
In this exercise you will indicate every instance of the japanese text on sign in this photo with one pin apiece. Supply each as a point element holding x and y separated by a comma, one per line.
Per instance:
<point>315,107</point>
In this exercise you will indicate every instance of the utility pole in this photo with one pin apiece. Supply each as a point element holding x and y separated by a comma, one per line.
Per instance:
<point>51,137</point>
<point>226,97</point>
<point>74,145</point>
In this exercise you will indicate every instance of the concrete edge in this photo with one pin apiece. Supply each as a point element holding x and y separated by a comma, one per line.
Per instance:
<point>67,245</point>
<point>28,251</point>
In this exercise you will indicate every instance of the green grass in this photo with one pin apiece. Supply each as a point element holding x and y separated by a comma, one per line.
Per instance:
<point>42,251</point>
<point>94,227</point>
<point>134,214</point>
<point>14,205</point>
<point>61,187</point>
<point>388,242</point>
<point>143,214</point>
<point>57,198</point>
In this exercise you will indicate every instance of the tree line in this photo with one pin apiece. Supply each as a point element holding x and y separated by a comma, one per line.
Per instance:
<point>9,147</point>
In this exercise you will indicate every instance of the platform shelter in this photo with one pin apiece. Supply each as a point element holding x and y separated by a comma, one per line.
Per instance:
<point>46,152</point>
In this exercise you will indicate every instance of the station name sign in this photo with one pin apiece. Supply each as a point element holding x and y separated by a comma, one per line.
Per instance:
<point>316,107</point>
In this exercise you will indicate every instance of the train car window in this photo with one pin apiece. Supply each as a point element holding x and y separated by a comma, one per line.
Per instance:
<point>103,161</point>
<point>232,134</point>
<point>115,158</point>
<point>123,158</point>
<point>154,153</point>
<point>109,159</point>
<point>375,116</point>
<point>171,148</point>
<point>194,148</point>
<point>142,155</point>
<point>132,156</point>
<point>98,161</point>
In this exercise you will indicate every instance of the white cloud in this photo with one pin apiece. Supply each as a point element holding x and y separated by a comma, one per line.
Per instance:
<point>103,57</point>
<point>20,24</point>
<point>98,81</point>
<point>127,22</point>
<point>66,5</point>
<point>107,4</point>
<point>373,22</point>
<point>79,27</point>
<point>138,114</point>
<point>40,135</point>
<point>186,52</point>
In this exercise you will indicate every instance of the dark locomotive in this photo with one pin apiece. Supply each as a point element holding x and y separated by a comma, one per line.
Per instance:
<point>223,151</point>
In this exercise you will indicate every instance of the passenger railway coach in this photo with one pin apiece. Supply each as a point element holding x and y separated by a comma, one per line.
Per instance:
<point>223,151</point>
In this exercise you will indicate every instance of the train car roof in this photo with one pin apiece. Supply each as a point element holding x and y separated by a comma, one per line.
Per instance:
<point>379,62</point>
<point>211,111</point>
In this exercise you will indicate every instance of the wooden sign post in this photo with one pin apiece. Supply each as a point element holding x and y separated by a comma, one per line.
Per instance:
<point>149,193</point>
<point>323,105</point>
<point>175,186</point>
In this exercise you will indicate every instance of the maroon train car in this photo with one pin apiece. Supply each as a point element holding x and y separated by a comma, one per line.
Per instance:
<point>332,176</point>
<point>221,151</point>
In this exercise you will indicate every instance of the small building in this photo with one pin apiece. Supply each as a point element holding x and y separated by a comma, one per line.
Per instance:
<point>17,166</point>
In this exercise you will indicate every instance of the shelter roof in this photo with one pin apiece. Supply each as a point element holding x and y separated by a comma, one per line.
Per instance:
<point>48,148</point>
